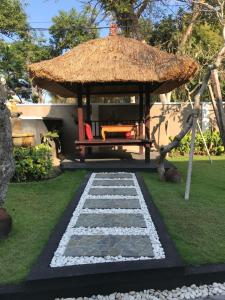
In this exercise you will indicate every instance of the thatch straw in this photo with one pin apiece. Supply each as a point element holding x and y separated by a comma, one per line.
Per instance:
<point>113,59</point>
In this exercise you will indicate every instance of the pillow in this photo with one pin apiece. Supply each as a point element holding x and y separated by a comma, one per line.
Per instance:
<point>128,135</point>
<point>88,131</point>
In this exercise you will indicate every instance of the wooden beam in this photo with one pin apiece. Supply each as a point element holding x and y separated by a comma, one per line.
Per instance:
<point>107,88</point>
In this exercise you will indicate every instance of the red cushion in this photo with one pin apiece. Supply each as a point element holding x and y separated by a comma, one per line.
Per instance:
<point>128,135</point>
<point>88,132</point>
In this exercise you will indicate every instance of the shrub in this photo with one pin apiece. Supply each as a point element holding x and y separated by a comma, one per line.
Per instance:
<point>213,142</point>
<point>33,163</point>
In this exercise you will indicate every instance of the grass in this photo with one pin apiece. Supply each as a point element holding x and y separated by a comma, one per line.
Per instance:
<point>197,226</point>
<point>35,209</point>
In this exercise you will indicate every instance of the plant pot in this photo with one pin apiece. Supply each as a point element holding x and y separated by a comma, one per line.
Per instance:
<point>5,223</point>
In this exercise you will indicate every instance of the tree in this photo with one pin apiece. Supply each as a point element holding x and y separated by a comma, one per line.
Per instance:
<point>72,28</point>
<point>212,72</point>
<point>128,14</point>
<point>14,58</point>
<point>13,20</point>
<point>6,158</point>
<point>9,26</point>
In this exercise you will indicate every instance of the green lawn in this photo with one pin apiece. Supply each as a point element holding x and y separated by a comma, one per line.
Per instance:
<point>197,226</point>
<point>35,208</point>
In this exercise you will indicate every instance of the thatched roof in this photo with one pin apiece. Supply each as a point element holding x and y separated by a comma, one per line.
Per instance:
<point>111,60</point>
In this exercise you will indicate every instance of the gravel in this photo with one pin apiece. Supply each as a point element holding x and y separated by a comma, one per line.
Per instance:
<point>60,260</point>
<point>214,291</point>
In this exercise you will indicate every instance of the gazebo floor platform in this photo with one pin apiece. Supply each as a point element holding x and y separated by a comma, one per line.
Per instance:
<point>113,160</point>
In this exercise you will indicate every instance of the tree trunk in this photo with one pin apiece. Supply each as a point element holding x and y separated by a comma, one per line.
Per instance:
<point>172,145</point>
<point>213,100</point>
<point>186,35</point>
<point>6,147</point>
<point>219,104</point>
<point>185,130</point>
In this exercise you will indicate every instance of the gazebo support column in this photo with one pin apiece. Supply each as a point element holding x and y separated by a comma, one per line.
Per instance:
<point>80,116</point>
<point>141,102</point>
<point>147,121</point>
<point>88,106</point>
<point>88,113</point>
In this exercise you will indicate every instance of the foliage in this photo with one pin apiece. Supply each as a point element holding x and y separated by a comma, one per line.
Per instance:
<point>33,163</point>
<point>213,142</point>
<point>71,28</point>
<point>13,20</point>
<point>36,207</point>
<point>18,53</point>
<point>49,137</point>
<point>165,34</point>
<point>14,58</point>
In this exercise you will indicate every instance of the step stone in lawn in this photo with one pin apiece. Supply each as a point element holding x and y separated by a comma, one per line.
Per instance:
<point>111,220</point>
<point>112,203</point>
<point>111,223</point>
<point>116,191</point>
<point>103,245</point>
<point>121,182</point>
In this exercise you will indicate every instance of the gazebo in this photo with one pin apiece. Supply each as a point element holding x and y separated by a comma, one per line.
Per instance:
<point>113,65</point>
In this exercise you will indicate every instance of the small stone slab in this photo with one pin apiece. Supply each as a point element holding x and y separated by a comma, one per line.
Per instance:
<point>118,182</point>
<point>114,175</point>
<point>112,245</point>
<point>112,203</point>
<point>111,220</point>
<point>112,191</point>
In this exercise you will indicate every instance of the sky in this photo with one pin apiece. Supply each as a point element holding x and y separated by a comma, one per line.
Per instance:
<point>40,12</point>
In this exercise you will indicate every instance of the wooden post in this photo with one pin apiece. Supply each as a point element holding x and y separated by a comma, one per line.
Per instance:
<point>80,116</point>
<point>141,106</point>
<point>147,112</point>
<point>147,122</point>
<point>88,110</point>
<point>88,113</point>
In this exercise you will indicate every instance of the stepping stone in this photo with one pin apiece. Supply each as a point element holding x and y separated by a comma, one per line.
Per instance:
<point>113,175</point>
<point>112,191</point>
<point>119,182</point>
<point>112,203</point>
<point>112,245</point>
<point>111,220</point>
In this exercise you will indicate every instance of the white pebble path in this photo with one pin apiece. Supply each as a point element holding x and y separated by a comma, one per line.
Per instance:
<point>215,291</point>
<point>60,259</point>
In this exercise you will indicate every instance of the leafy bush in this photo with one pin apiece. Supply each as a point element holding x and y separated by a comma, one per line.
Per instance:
<point>33,163</point>
<point>213,142</point>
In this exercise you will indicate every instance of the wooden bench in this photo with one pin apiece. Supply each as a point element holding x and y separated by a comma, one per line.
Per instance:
<point>82,145</point>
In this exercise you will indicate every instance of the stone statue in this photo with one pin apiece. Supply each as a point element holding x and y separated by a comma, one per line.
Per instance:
<point>6,158</point>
